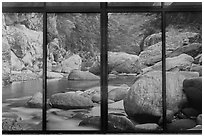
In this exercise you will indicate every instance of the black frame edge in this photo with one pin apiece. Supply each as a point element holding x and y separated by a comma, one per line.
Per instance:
<point>104,67</point>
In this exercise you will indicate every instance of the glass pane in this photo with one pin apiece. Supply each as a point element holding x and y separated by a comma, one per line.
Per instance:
<point>22,55</point>
<point>184,70</point>
<point>115,4</point>
<point>73,85</point>
<point>134,84</point>
<point>22,4</point>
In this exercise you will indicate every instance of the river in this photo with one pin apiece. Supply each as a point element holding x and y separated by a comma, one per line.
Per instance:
<point>15,94</point>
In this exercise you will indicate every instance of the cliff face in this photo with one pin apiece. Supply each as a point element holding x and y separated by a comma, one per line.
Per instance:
<point>22,43</point>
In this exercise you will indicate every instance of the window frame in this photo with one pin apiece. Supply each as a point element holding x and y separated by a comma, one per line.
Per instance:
<point>103,10</point>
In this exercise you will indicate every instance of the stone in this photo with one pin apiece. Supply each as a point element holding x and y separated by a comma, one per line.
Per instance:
<point>95,91</point>
<point>193,89</point>
<point>152,39</point>
<point>36,101</point>
<point>199,119</point>
<point>70,101</point>
<point>119,123</point>
<point>196,68</point>
<point>174,41</point>
<point>181,124</point>
<point>80,115</point>
<point>193,50</point>
<point>118,94</point>
<point>72,63</point>
<point>190,112</point>
<point>54,75</point>
<point>26,46</point>
<point>145,95</point>
<point>96,98</point>
<point>23,40</point>
<point>147,127</point>
<point>149,53</point>
<point>94,121</point>
<point>116,105</point>
<point>182,62</point>
<point>120,62</point>
<point>16,63</point>
<point>82,75</point>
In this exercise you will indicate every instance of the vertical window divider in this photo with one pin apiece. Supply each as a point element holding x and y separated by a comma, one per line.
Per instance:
<point>163,28</point>
<point>44,106</point>
<point>104,67</point>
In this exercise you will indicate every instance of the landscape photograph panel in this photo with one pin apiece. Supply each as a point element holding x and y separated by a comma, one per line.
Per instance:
<point>22,66</point>
<point>73,91</point>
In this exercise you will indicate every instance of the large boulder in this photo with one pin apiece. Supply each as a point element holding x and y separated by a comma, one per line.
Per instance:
<point>72,63</point>
<point>193,89</point>
<point>181,62</point>
<point>115,93</point>
<point>193,50</point>
<point>26,45</point>
<point>70,101</point>
<point>82,75</point>
<point>120,62</point>
<point>174,41</point>
<point>152,39</point>
<point>118,94</point>
<point>119,123</point>
<point>145,95</point>
<point>151,54</point>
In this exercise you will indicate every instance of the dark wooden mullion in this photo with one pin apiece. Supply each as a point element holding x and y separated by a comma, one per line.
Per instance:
<point>163,28</point>
<point>104,67</point>
<point>44,109</point>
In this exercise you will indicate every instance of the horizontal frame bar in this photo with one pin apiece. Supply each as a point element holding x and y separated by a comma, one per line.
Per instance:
<point>82,9</point>
<point>193,132</point>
